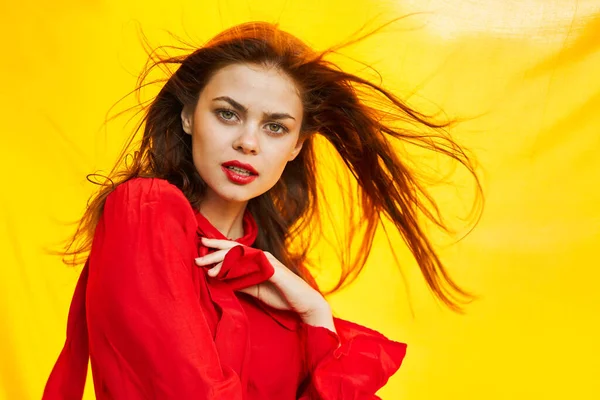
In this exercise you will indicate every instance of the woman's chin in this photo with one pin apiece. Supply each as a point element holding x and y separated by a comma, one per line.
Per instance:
<point>236,195</point>
<point>229,192</point>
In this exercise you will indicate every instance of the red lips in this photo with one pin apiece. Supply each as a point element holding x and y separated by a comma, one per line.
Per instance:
<point>237,177</point>
<point>238,164</point>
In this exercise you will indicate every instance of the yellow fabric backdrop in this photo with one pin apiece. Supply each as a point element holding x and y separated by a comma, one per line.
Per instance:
<point>529,69</point>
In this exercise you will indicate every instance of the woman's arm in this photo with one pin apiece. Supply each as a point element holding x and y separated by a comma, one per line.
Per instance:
<point>344,360</point>
<point>284,290</point>
<point>351,365</point>
<point>149,337</point>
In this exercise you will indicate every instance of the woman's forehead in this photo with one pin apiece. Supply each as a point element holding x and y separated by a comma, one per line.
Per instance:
<point>254,86</point>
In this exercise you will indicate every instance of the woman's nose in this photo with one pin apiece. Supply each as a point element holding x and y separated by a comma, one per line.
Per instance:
<point>247,141</point>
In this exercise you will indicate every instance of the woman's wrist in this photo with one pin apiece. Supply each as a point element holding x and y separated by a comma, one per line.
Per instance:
<point>320,316</point>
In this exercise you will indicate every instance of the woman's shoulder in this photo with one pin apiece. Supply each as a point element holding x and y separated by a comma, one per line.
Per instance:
<point>149,186</point>
<point>138,192</point>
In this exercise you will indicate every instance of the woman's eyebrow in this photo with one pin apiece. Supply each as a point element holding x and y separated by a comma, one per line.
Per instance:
<point>278,116</point>
<point>243,109</point>
<point>233,103</point>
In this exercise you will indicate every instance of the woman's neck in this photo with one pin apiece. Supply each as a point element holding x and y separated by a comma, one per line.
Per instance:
<point>226,216</point>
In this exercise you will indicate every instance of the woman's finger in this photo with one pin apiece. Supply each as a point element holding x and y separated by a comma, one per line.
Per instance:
<point>219,243</point>
<point>211,258</point>
<point>214,271</point>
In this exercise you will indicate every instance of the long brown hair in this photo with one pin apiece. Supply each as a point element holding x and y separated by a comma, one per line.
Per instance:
<point>361,120</point>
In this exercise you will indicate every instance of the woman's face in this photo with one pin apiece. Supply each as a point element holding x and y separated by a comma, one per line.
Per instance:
<point>245,128</point>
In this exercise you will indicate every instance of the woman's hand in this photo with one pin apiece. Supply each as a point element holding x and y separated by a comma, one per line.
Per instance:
<point>284,290</point>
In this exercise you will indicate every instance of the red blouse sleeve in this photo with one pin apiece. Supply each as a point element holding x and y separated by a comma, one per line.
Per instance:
<point>351,365</point>
<point>148,334</point>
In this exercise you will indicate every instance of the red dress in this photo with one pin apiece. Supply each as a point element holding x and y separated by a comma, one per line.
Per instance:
<point>156,326</point>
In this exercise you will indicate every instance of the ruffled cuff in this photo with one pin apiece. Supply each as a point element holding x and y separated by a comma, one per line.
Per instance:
<point>352,364</point>
<point>245,266</point>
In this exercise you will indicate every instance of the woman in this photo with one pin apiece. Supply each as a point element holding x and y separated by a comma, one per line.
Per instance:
<point>196,285</point>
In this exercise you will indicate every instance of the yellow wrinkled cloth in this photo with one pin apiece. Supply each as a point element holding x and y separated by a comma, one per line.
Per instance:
<point>524,74</point>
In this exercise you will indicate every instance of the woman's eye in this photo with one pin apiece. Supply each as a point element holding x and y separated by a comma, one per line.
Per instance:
<point>275,128</point>
<point>227,115</point>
